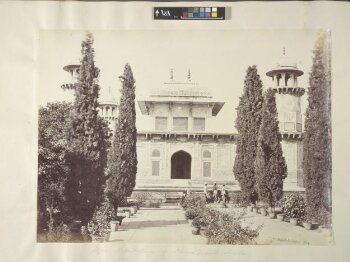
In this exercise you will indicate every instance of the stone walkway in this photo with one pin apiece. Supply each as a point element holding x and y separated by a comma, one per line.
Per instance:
<point>165,225</point>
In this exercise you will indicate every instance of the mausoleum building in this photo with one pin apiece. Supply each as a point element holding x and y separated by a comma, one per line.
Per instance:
<point>180,153</point>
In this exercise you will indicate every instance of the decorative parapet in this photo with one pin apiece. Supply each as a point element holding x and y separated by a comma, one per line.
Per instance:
<point>291,136</point>
<point>186,136</point>
<point>189,92</point>
<point>296,91</point>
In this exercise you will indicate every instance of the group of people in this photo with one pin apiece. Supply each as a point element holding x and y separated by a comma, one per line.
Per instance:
<point>217,194</point>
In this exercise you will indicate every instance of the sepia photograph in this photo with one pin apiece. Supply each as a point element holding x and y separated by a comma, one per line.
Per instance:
<point>196,137</point>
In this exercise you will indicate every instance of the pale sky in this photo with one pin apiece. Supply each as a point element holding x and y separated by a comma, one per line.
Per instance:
<point>218,60</point>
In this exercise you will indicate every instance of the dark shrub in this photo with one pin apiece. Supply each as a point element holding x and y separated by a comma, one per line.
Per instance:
<point>226,229</point>
<point>103,215</point>
<point>293,206</point>
<point>191,213</point>
<point>60,233</point>
<point>239,200</point>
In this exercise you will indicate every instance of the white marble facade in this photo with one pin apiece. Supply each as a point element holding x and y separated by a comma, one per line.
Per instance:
<point>179,151</point>
<point>210,162</point>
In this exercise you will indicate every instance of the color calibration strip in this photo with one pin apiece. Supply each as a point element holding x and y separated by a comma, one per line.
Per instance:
<point>189,13</point>
<point>200,12</point>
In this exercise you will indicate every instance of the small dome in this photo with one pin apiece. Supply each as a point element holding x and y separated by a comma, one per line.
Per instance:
<point>285,64</point>
<point>72,65</point>
<point>286,61</point>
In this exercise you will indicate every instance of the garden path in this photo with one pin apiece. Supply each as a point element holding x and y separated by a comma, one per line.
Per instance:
<point>167,225</point>
<point>164,225</point>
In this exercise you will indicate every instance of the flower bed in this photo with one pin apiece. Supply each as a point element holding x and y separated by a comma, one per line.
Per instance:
<point>219,226</point>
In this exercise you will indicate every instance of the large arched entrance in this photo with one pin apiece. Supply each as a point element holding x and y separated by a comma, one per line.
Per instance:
<point>181,165</point>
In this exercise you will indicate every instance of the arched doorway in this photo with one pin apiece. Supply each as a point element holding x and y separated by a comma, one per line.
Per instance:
<point>181,165</point>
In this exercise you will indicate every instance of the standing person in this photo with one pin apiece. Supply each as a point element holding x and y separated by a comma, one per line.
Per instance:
<point>215,191</point>
<point>205,190</point>
<point>183,195</point>
<point>219,195</point>
<point>225,192</point>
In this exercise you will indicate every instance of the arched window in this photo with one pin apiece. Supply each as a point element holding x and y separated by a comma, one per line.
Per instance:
<point>278,77</point>
<point>287,80</point>
<point>155,162</point>
<point>155,153</point>
<point>207,163</point>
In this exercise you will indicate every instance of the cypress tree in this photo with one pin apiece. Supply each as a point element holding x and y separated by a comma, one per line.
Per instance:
<point>247,124</point>
<point>270,166</point>
<point>122,161</point>
<point>87,140</point>
<point>317,163</point>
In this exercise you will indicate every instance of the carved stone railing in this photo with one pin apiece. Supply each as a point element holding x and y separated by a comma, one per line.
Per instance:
<point>185,136</point>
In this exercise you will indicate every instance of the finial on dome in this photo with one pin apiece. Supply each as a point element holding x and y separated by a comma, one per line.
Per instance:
<point>284,51</point>
<point>189,75</point>
<point>171,74</point>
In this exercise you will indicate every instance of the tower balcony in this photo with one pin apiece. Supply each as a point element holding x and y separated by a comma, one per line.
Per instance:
<point>295,91</point>
<point>291,135</point>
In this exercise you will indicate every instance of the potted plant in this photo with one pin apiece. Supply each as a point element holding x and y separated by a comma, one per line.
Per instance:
<point>263,211</point>
<point>127,213</point>
<point>293,206</point>
<point>99,231</point>
<point>97,239</point>
<point>307,225</point>
<point>133,209</point>
<point>293,221</point>
<point>114,225</point>
<point>272,214</point>
<point>99,226</point>
<point>196,230</point>
<point>196,227</point>
<point>280,217</point>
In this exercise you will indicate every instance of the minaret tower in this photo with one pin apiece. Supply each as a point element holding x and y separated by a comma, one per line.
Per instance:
<point>288,93</point>
<point>108,109</point>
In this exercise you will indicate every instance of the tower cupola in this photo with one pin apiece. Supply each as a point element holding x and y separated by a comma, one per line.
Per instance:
<point>73,69</point>
<point>285,76</point>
